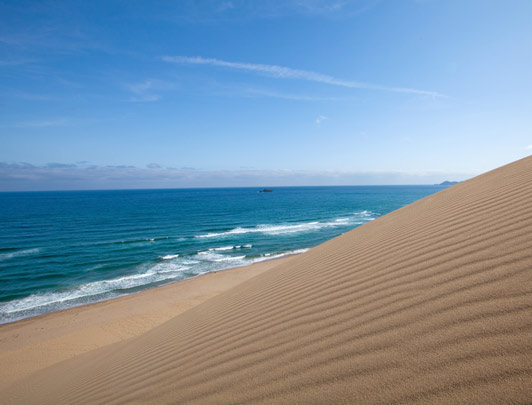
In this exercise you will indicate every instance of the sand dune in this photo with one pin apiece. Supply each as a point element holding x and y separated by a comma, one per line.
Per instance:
<point>33,344</point>
<point>431,303</point>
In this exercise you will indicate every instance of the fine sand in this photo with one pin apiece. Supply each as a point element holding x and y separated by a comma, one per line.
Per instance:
<point>429,304</point>
<point>36,343</point>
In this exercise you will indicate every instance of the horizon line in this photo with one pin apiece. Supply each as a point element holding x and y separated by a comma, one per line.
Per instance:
<point>224,188</point>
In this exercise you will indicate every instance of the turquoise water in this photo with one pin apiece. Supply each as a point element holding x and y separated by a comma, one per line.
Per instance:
<point>63,249</point>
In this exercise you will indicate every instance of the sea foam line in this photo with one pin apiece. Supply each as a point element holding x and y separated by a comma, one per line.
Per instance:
<point>169,257</point>
<point>163,272</point>
<point>224,248</point>
<point>294,228</point>
<point>25,252</point>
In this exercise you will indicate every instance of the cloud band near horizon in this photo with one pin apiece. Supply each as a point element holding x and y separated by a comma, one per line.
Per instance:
<point>283,72</point>
<point>83,176</point>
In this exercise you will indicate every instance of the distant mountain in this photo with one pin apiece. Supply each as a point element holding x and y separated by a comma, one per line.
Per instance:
<point>447,183</point>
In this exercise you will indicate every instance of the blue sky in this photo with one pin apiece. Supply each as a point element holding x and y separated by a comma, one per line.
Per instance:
<point>136,94</point>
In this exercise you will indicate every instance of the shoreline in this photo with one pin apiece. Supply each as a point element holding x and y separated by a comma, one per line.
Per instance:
<point>148,289</point>
<point>31,344</point>
<point>429,303</point>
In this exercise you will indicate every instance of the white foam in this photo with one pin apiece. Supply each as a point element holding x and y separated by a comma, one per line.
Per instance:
<point>270,256</point>
<point>280,229</point>
<point>269,229</point>
<point>221,249</point>
<point>224,248</point>
<point>342,220</point>
<point>164,271</point>
<point>189,262</point>
<point>169,257</point>
<point>209,255</point>
<point>161,272</point>
<point>19,253</point>
<point>95,267</point>
<point>230,258</point>
<point>366,215</point>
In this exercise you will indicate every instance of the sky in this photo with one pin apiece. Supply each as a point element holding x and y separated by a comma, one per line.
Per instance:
<point>160,94</point>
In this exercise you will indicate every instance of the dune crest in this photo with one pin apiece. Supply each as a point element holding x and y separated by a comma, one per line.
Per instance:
<point>430,303</point>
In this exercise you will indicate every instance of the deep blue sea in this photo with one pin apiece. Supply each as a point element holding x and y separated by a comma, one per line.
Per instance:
<point>63,249</point>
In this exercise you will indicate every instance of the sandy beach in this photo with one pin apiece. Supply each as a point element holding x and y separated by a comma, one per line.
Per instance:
<point>431,303</point>
<point>32,344</point>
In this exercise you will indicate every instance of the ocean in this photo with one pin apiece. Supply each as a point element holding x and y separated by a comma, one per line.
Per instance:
<point>63,249</point>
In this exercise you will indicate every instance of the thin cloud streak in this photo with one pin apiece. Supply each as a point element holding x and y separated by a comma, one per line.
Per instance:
<point>14,62</point>
<point>254,92</point>
<point>147,90</point>
<point>320,119</point>
<point>38,124</point>
<point>282,72</point>
<point>245,10</point>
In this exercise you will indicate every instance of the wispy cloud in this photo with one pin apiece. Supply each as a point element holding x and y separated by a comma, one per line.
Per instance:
<point>145,98</point>
<point>148,90</point>
<point>31,96</point>
<point>245,10</point>
<point>320,119</point>
<point>139,87</point>
<point>38,124</point>
<point>262,92</point>
<point>226,5</point>
<point>528,147</point>
<point>55,165</point>
<point>326,7</point>
<point>14,62</point>
<point>283,72</point>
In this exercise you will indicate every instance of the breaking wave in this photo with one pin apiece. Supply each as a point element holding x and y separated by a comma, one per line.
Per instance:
<point>171,268</point>
<point>357,218</point>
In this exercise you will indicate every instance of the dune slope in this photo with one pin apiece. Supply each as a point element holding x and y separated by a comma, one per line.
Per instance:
<point>431,303</point>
